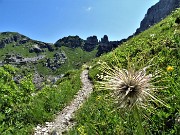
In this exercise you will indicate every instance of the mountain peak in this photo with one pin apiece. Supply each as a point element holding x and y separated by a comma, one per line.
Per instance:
<point>157,12</point>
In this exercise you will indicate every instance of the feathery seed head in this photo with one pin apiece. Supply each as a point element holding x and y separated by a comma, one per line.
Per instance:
<point>129,87</point>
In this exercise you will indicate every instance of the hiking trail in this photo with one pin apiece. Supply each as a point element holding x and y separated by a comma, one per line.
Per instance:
<point>64,119</point>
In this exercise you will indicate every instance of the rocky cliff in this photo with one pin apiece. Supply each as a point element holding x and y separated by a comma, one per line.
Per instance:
<point>10,37</point>
<point>106,46</point>
<point>157,12</point>
<point>70,41</point>
<point>18,39</point>
<point>90,44</point>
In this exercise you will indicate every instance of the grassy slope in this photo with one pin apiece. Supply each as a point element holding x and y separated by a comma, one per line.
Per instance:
<point>76,57</point>
<point>162,43</point>
<point>10,48</point>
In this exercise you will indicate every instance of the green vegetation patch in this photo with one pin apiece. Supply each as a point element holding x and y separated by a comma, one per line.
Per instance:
<point>23,107</point>
<point>157,47</point>
<point>76,57</point>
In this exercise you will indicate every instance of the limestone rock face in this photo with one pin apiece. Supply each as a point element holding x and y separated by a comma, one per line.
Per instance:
<point>105,39</point>
<point>106,46</point>
<point>18,39</point>
<point>157,12</point>
<point>70,41</point>
<point>90,43</point>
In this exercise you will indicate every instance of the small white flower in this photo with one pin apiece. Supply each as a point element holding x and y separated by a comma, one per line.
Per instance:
<point>152,35</point>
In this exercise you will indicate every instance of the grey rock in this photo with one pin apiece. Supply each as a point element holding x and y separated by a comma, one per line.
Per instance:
<point>105,39</point>
<point>70,41</point>
<point>10,37</point>
<point>106,46</point>
<point>2,44</point>
<point>38,80</point>
<point>90,43</point>
<point>44,45</point>
<point>56,62</point>
<point>35,48</point>
<point>16,59</point>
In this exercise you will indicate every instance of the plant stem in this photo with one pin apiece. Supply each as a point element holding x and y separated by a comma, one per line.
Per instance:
<point>138,119</point>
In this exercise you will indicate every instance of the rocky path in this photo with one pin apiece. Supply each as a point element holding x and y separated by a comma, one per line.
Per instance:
<point>64,119</point>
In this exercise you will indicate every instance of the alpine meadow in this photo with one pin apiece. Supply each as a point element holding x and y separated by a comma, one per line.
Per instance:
<point>134,83</point>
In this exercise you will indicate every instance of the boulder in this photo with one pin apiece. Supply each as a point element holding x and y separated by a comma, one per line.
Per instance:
<point>56,61</point>
<point>35,48</point>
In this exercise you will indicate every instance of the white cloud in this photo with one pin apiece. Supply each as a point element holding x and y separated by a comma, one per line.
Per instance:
<point>88,9</point>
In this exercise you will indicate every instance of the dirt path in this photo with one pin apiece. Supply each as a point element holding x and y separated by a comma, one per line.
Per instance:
<point>64,119</point>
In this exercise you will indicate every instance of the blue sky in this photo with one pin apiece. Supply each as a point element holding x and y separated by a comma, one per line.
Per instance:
<point>50,20</point>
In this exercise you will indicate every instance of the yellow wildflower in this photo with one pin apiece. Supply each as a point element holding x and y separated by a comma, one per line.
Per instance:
<point>98,97</point>
<point>169,68</point>
<point>81,130</point>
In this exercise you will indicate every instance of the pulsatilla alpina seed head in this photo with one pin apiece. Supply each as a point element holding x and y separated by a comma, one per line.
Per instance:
<point>129,87</point>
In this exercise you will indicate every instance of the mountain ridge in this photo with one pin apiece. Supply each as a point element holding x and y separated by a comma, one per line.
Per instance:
<point>156,13</point>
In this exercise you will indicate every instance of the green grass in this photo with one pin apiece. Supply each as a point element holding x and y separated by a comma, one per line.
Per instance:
<point>13,49</point>
<point>158,46</point>
<point>22,107</point>
<point>76,58</point>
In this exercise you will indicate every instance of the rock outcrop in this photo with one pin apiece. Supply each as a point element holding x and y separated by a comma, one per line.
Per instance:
<point>106,46</point>
<point>35,48</point>
<point>38,80</point>
<point>56,61</point>
<point>90,43</point>
<point>44,45</point>
<point>70,41</point>
<point>10,37</point>
<point>157,12</point>
<point>18,39</point>
<point>19,60</point>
